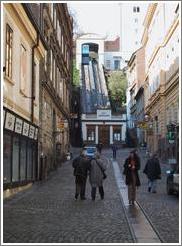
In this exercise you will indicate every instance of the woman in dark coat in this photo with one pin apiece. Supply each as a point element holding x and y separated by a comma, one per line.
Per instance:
<point>153,171</point>
<point>131,167</point>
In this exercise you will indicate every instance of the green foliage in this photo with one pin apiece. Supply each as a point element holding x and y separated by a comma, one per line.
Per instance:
<point>76,76</point>
<point>117,84</point>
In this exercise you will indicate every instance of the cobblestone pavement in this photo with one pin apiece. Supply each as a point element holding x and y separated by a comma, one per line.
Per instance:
<point>162,209</point>
<point>48,213</point>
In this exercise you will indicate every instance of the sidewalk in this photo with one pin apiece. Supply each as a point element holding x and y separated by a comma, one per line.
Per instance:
<point>48,213</point>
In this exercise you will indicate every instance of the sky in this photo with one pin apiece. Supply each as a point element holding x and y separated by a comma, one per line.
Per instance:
<point>100,18</point>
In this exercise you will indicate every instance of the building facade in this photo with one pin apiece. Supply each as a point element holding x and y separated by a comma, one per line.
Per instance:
<point>131,29</point>
<point>23,51</point>
<point>98,122</point>
<point>112,54</point>
<point>135,97</point>
<point>36,89</point>
<point>162,75</point>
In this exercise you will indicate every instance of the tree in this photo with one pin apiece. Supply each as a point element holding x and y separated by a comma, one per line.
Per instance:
<point>117,84</point>
<point>76,75</point>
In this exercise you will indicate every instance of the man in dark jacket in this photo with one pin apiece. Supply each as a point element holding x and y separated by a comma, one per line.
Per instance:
<point>81,165</point>
<point>153,171</point>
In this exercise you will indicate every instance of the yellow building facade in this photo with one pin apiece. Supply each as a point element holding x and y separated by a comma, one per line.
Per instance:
<point>162,75</point>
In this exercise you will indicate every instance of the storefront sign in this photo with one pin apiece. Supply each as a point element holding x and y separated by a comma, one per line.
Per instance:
<point>25,129</point>
<point>103,114</point>
<point>31,131</point>
<point>18,125</point>
<point>36,134</point>
<point>10,121</point>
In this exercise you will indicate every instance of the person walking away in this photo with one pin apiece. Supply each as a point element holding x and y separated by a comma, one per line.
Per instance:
<point>81,166</point>
<point>131,167</point>
<point>153,171</point>
<point>97,176</point>
<point>114,149</point>
<point>99,147</point>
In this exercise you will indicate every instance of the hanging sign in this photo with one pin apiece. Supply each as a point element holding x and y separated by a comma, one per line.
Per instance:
<point>31,131</point>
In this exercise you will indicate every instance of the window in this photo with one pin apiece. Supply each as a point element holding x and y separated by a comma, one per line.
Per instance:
<point>138,9</point>
<point>116,133</point>
<point>136,20</point>
<point>9,46</point>
<point>29,161</point>
<point>16,147</point>
<point>134,9</point>
<point>108,64</point>
<point>23,160</point>
<point>116,64</point>
<point>91,134</point>
<point>7,158</point>
<point>23,69</point>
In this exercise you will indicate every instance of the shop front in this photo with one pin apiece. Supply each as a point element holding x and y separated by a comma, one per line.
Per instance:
<point>20,150</point>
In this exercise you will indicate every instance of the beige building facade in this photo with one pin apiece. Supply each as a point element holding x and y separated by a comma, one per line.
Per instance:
<point>162,75</point>
<point>21,49</point>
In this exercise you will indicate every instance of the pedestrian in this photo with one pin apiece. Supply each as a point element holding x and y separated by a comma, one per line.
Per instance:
<point>114,149</point>
<point>131,167</point>
<point>99,147</point>
<point>81,166</point>
<point>97,175</point>
<point>153,171</point>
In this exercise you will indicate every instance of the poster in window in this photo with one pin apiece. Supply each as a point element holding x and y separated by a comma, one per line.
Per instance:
<point>25,129</point>
<point>10,121</point>
<point>31,132</point>
<point>18,125</point>
<point>36,134</point>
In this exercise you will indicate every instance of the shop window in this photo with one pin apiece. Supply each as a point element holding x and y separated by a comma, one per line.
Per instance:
<point>7,158</point>
<point>29,161</point>
<point>8,52</point>
<point>91,134</point>
<point>117,134</point>
<point>15,161</point>
<point>23,160</point>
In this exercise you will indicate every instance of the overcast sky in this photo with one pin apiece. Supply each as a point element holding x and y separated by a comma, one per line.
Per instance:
<point>101,18</point>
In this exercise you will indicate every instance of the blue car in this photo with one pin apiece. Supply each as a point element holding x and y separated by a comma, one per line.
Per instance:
<point>90,151</point>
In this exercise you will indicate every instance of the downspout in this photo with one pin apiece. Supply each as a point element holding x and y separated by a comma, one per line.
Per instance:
<point>33,82</point>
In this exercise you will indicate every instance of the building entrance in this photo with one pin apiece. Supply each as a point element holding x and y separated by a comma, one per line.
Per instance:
<point>104,135</point>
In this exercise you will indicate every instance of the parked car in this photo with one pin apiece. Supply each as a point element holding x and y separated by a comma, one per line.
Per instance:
<point>172,181</point>
<point>90,151</point>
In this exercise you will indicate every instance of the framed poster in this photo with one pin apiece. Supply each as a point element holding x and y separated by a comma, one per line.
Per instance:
<point>18,125</point>
<point>10,121</point>
<point>25,128</point>
<point>31,132</point>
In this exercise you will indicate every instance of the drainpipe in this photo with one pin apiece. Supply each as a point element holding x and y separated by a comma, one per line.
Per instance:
<point>33,82</point>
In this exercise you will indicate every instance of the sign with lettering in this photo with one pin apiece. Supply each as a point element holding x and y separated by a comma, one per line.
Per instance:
<point>10,121</point>
<point>18,125</point>
<point>103,114</point>
<point>31,131</point>
<point>25,129</point>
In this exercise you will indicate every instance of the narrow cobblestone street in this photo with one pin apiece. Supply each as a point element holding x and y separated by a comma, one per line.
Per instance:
<point>48,213</point>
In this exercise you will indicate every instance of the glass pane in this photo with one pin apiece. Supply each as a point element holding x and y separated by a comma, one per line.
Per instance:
<point>6,158</point>
<point>23,160</point>
<point>34,161</point>
<point>29,161</point>
<point>16,147</point>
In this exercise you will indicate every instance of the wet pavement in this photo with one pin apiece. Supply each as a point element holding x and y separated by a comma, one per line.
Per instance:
<point>48,213</point>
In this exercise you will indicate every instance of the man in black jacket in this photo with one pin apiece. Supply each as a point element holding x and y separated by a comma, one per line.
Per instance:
<point>81,165</point>
<point>153,171</point>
